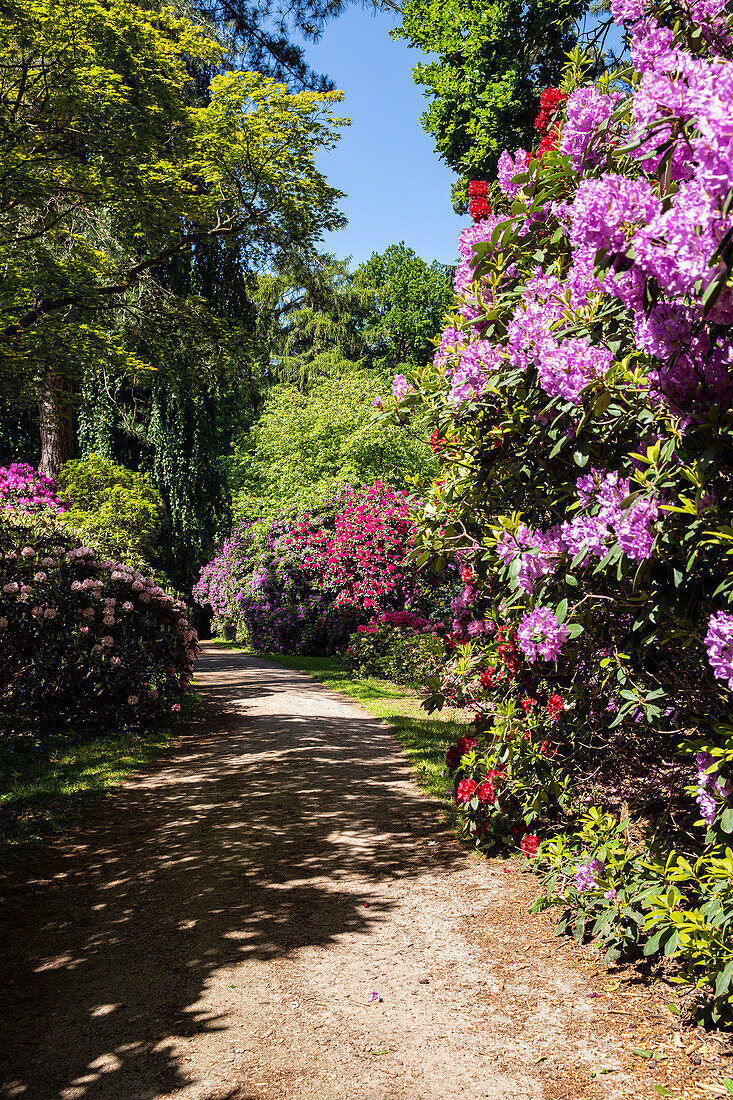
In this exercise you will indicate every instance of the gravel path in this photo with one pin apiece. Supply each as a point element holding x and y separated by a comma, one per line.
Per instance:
<point>219,927</point>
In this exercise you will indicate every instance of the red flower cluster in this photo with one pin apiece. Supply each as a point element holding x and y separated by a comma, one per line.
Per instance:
<point>478,207</point>
<point>467,576</point>
<point>364,560</point>
<point>546,123</point>
<point>550,141</point>
<point>508,652</point>
<point>530,844</point>
<point>457,751</point>
<point>486,793</point>
<point>551,100</point>
<point>401,620</point>
<point>554,707</point>
<point>465,791</point>
<point>486,678</point>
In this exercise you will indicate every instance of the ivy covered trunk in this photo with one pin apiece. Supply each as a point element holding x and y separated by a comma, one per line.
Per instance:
<point>57,425</point>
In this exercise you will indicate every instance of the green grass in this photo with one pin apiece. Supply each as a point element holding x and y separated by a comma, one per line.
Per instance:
<point>424,737</point>
<point>48,785</point>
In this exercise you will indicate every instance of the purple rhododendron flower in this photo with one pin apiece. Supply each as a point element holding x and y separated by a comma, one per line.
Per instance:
<point>509,167</point>
<point>400,386</point>
<point>586,109</point>
<point>540,634</point>
<point>708,807</point>
<point>719,644</point>
<point>587,873</point>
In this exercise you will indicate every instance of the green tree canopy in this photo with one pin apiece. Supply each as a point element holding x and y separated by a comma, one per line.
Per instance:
<point>494,57</point>
<point>404,302</point>
<point>109,169</point>
<point>119,511</point>
<point>316,319</point>
<point>306,446</point>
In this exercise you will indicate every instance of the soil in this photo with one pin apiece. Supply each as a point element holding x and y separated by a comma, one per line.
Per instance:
<point>274,910</point>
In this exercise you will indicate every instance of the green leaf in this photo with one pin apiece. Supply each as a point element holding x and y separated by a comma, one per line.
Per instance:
<point>714,288</point>
<point>723,980</point>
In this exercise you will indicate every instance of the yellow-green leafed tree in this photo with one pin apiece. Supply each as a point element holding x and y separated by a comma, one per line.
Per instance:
<point>110,165</point>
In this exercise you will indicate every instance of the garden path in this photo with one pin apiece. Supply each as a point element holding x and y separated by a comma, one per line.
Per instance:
<point>218,929</point>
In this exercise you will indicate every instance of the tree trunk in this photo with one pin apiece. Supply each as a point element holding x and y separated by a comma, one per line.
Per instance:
<point>57,425</point>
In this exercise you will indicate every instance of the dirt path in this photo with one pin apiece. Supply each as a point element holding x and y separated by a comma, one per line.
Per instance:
<point>220,927</point>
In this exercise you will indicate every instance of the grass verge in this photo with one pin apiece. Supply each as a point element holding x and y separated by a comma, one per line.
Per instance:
<point>424,737</point>
<point>47,785</point>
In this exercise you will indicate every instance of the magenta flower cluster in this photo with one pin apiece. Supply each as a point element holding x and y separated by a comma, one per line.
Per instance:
<point>24,489</point>
<point>587,874</point>
<point>308,581</point>
<point>607,516</point>
<point>539,634</point>
<point>719,645</point>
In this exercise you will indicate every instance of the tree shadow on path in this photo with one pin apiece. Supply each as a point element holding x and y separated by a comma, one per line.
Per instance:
<point>260,833</point>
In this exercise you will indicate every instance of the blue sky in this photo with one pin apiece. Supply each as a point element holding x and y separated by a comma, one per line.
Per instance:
<point>396,188</point>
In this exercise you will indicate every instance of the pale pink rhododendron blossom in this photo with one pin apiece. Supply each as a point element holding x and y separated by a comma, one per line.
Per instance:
<point>65,666</point>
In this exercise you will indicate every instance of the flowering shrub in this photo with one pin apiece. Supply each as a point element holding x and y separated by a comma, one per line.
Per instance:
<point>583,396</point>
<point>84,642</point>
<point>304,583</point>
<point>397,646</point>
<point>504,789</point>
<point>23,489</point>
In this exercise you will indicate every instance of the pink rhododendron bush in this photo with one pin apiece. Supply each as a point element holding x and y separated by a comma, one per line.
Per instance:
<point>581,402</point>
<point>303,583</point>
<point>84,642</point>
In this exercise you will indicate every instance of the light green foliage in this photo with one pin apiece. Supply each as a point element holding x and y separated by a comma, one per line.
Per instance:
<point>109,168</point>
<point>305,446</point>
<point>493,60</point>
<point>336,339</point>
<point>642,898</point>
<point>116,509</point>
<point>404,658</point>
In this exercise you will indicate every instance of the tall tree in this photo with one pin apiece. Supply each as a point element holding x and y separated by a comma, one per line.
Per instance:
<point>261,33</point>
<point>404,302</point>
<point>108,171</point>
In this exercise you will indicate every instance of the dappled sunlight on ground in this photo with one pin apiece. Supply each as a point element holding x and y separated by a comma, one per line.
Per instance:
<point>225,852</point>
